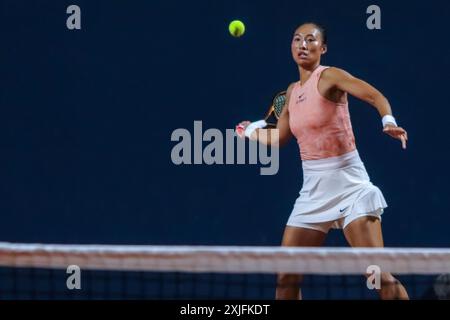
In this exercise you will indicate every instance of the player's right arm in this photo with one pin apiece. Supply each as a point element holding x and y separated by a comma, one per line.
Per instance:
<point>274,137</point>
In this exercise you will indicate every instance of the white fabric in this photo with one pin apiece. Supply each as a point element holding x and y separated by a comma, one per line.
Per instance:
<point>253,126</point>
<point>338,224</point>
<point>227,259</point>
<point>334,188</point>
<point>388,119</point>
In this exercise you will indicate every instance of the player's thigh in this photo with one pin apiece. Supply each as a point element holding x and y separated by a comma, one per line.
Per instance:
<point>302,237</point>
<point>364,232</point>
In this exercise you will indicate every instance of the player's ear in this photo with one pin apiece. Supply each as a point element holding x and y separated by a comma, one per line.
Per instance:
<point>324,48</point>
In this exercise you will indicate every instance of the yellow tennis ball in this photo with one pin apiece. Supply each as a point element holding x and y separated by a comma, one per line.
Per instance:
<point>236,28</point>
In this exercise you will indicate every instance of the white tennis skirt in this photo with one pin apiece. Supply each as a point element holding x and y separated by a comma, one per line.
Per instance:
<point>334,188</point>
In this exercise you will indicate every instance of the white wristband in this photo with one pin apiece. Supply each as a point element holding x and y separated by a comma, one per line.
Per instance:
<point>388,119</point>
<point>253,126</point>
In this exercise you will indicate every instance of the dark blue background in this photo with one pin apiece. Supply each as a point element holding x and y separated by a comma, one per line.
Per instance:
<point>86,117</point>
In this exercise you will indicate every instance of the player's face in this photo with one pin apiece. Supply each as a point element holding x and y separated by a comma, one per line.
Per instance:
<point>307,46</point>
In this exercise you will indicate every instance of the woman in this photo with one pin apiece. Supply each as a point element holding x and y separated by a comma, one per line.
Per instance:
<point>336,191</point>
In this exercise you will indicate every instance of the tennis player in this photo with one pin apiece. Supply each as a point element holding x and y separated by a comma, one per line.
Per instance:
<point>337,191</point>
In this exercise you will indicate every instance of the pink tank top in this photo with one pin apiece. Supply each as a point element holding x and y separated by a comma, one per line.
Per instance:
<point>322,127</point>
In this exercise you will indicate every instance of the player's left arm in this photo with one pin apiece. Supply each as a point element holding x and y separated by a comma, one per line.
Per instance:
<point>360,89</point>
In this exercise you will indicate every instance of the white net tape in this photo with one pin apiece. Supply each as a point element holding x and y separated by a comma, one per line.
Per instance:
<point>227,259</point>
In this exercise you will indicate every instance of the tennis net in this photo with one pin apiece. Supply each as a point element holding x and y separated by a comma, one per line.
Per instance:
<point>44,271</point>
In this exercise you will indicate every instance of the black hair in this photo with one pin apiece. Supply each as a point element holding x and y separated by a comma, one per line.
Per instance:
<point>321,28</point>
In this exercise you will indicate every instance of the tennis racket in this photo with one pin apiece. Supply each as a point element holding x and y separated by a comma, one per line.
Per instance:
<point>274,112</point>
<point>272,115</point>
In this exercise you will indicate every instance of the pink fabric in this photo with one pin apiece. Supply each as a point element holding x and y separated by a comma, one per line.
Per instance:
<point>322,127</point>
